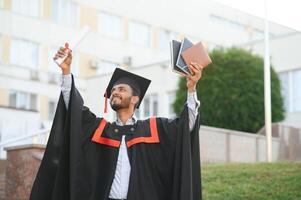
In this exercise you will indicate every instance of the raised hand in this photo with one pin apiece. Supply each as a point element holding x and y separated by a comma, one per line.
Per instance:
<point>66,65</point>
<point>192,80</point>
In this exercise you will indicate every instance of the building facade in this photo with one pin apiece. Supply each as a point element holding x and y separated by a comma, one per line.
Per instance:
<point>131,34</point>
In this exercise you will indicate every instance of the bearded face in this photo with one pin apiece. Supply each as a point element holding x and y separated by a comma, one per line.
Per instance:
<point>118,103</point>
<point>121,95</point>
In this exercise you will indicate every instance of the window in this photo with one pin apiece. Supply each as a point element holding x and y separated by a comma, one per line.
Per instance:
<point>110,25</point>
<point>52,66</point>
<point>139,33</point>
<point>33,101</point>
<point>105,67</point>
<point>155,104</point>
<point>24,53</point>
<point>26,7</point>
<point>164,39</point>
<point>1,3</point>
<point>296,91</point>
<point>23,100</point>
<point>290,90</point>
<point>258,32</point>
<point>65,12</point>
<point>137,113</point>
<point>284,80</point>
<point>147,105</point>
<point>51,109</point>
<point>171,98</point>
<point>1,48</point>
<point>150,105</point>
<point>74,66</point>
<point>228,22</point>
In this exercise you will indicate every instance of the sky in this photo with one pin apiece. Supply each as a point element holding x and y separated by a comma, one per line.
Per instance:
<point>284,12</point>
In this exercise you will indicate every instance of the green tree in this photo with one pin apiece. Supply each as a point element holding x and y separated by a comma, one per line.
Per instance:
<point>231,91</point>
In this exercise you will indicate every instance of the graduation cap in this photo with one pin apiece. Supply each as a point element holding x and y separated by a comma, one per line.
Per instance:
<point>139,84</point>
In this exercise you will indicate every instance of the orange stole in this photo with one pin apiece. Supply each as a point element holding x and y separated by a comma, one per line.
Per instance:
<point>154,138</point>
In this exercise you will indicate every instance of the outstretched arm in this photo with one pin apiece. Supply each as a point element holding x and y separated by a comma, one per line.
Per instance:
<point>193,105</point>
<point>192,101</point>
<point>66,88</point>
<point>66,75</point>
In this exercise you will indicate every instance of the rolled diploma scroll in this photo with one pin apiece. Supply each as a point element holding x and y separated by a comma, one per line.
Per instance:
<point>74,43</point>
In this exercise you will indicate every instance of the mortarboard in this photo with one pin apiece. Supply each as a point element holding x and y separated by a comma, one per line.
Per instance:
<point>138,83</point>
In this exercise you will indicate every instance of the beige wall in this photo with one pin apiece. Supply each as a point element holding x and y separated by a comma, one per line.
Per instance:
<point>7,4</point>
<point>1,48</point>
<point>5,49</point>
<point>46,10</point>
<point>44,51</point>
<point>126,22</point>
<point>83,65</point>
<point>43,107</point>
<point>4,94</point>
<point>88,16</point>
<point>219,145</point>
<point>154,36</point>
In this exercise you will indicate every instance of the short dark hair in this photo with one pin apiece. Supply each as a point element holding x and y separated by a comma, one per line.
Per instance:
<point>135,93</point>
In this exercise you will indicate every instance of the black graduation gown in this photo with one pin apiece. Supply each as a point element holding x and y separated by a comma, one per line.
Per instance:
<point>81,155</point>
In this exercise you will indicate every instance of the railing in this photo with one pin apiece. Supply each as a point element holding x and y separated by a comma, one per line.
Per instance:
<point>34,136</point>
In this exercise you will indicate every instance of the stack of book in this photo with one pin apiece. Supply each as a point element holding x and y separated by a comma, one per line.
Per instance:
<point>184,53</point>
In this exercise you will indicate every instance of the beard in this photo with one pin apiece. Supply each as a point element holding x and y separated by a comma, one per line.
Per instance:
<point>120,104</point>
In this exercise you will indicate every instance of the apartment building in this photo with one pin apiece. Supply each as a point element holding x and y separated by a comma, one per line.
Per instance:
<point>131,34</point>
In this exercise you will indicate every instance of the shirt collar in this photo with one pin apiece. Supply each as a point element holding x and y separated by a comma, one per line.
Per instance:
<point>130,121</point>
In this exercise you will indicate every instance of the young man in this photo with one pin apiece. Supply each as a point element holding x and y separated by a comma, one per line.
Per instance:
<point>88,158</point>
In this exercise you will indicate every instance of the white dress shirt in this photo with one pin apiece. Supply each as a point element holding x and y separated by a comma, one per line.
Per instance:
<point>120,185</point>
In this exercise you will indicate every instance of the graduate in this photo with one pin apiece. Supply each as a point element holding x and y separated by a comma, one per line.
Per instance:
<point>90,158</point>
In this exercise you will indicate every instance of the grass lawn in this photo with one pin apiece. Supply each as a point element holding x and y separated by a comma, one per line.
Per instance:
<point>263,181</point>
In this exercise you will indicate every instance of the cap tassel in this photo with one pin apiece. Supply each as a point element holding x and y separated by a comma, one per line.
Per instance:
<point>106,103</point>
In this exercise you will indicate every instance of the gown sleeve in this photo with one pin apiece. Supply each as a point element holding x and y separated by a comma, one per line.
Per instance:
<point>184,150</point>
<point>71,129</point>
